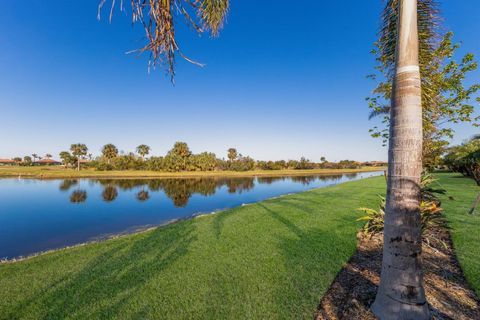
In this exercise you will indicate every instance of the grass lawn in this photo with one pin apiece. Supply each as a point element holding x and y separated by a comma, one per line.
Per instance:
<point>60,172</point>
<point>465,228</point>
<point>270,260</point>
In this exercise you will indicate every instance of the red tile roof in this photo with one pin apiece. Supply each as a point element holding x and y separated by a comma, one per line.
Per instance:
<point>47,161</point>
<point>7,161</point>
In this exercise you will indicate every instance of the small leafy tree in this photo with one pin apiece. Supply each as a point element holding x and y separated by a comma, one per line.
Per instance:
<point>205,161</point>
<point>155,164</point>
<point>66,158</point>
<point>27,160</point>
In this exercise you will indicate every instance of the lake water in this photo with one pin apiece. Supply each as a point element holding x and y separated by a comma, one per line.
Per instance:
<point>39,215</point>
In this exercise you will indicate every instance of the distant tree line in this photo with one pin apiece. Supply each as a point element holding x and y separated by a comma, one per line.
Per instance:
<point>181,158</point>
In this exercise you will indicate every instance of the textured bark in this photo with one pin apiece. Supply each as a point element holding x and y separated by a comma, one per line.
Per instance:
<point>401,294</point>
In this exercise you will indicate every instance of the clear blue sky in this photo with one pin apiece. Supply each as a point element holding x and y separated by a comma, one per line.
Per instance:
<point>281,81</point>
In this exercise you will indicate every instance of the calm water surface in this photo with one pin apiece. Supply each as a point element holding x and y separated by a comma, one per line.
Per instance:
<point>38,215</point>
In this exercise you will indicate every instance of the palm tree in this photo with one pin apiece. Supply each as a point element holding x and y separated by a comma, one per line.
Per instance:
<point>232,154</point>
<point>78,150</point>
<point>157,18</point>
<point>401,294</point>
<point>48,156</point>
<point>143,150</point>
<point>109,152</point>
<point>181,151</point>
<point>66,158</point>
<point>34,156</point>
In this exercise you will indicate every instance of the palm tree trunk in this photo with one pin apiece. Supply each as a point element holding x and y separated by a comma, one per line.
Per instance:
<point>78,164</point>
<point>401,294</point>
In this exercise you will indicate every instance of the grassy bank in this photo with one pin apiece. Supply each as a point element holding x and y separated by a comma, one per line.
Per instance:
<point>59,172</point>
<point>465,228</point>
<point>270,260</point>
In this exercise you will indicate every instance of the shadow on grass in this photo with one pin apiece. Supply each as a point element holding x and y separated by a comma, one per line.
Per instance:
<point>106,283</point>
<point>312,256</point>
<point>219,221</point>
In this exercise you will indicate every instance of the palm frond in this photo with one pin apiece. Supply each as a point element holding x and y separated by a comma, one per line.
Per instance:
<point>212,13</point>
<point>379,112</point>
<point>428,28</point>
<point>158,18</point>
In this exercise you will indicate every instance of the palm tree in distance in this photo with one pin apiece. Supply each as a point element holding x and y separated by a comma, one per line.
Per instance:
<point>109,152</point>
<point>48,156</point>
<point>78,150</point>
<point>159,17</point>
<point>34,156</point>
<point>232,154</point>
<point>182,151</point>
<point>143,150</point>
<point>401,294</point>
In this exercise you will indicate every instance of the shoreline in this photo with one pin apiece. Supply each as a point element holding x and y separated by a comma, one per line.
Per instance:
<point>144,229</point>
<point>60,173</point>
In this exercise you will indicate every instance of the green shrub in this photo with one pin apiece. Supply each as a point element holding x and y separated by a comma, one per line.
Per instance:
<point>374,219</point>
<point>430,212</point>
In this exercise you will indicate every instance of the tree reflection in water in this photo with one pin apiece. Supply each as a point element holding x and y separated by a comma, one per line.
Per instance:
<point>143,195</point>
<point>78,196</point>
<point>181,190</point>
<point>67,184</point>
<point>109,193</point>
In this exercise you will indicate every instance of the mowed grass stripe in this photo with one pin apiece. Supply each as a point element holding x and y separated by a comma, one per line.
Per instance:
<point>465,228</point>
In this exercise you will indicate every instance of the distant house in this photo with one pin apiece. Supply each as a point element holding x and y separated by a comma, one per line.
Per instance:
<point>47,162</point>
<point>7,162</point>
